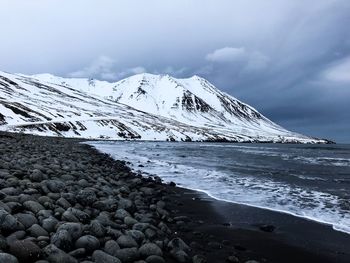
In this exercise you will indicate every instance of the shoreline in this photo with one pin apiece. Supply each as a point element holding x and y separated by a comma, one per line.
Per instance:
<point>292,239</point>
<point>218,230</point>
<point>314,220</point>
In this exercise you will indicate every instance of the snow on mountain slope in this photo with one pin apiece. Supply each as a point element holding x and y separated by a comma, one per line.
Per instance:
<point>144,106</point>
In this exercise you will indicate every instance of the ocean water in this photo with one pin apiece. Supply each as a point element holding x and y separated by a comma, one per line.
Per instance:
<point>310,181</point>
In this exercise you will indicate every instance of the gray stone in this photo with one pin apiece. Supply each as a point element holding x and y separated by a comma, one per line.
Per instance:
<point>129,221</point>
<point>37,231</point>
<point>15,207</point>
<point>26,219</point>
<point>77,253</point>
<point>86,196</point>
<point>126,241</point>
<point>125,204</point>
<point>74,229</point>
<point>7,258</point>
<point>69,217</point>
<point>121,214</point>
<point>15,236</point>
<point>37,176</point>
<point>25,250</point>
<point>150,249</point>
<point>55,186</point>
<point>90,243</point>
<point>11,191</point>
<point>140,226</point>
<point>62,239</point>
<point>80,215</point>
<point>63,203</point>
<point>56,255</point>
<point>33,206</point>
<point>155,259</point>
<point>101,257</point>
<point>97,229</point>
<point>137,235</point>
<point>49,224</point>
<point>8,223</point>
<point>127,255</point>
<point>111,247</point>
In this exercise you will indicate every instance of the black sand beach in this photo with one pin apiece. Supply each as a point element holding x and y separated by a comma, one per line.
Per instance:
<point>62,201</point>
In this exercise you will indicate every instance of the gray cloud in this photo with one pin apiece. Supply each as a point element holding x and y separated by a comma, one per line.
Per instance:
<point>289,59</point>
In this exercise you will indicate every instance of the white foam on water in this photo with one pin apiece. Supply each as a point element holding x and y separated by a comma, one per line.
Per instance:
<point>248,190</point>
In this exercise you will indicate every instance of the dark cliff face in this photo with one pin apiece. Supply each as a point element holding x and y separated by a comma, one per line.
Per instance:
<point>191,102</point>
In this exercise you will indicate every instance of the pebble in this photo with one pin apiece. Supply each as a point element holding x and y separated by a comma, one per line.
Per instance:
<point>126,241</point>
<point>150,249</point>
<point>75,230</point>
<point>155,259</point>
<point>56,255</point>
<point>90,243</point>
<point>33,206</point>
<point>111,247</point>
<point>86,197</point>
<point>25,250</point>
<point>8,222</point>
<point>127,254</point>
<point>37,231</point>
<point>7,258</point>
<point>101,257</point>
<point>62,239</point>
<point>27,220</point>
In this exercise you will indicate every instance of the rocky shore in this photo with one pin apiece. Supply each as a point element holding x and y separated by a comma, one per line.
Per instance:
<point>64,202</point>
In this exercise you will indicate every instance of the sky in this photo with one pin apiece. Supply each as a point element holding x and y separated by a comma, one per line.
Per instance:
<point>288,59</point>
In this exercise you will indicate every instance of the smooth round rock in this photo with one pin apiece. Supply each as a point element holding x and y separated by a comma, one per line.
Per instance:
<point>56,255</point>
<point>150,249</point>
<point>97,229</point>
<point>74,229</point>
<point>86,197</point>
<point>127,254</point>
<point>27,220</point>
<point>37,231</point>
<point>111,247</point>
<point>55,186</point>
<point>101,257</point>
<point>33,206</point>
<point>126,241</point>
<point>62,239</point>
<point>137,235</point>
<point>25,250</point>
<point>90,243</point>
<point>49,224</point>
<point>121,214</point>
<point>155,259</point>
<point>8,222</point>
<point>7,258</point>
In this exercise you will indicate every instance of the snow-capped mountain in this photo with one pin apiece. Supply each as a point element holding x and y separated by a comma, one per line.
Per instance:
<point>144,106</point>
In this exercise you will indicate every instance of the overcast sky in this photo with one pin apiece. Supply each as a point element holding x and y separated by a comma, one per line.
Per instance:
<point>289,59</point>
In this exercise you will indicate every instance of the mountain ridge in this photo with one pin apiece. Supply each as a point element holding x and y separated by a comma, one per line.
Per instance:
<point>143,106</point>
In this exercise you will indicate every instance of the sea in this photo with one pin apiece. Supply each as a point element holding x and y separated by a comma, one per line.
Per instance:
<point>305,180</point>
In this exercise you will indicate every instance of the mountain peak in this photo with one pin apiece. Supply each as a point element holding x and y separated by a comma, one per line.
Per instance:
<point>144,106</point>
